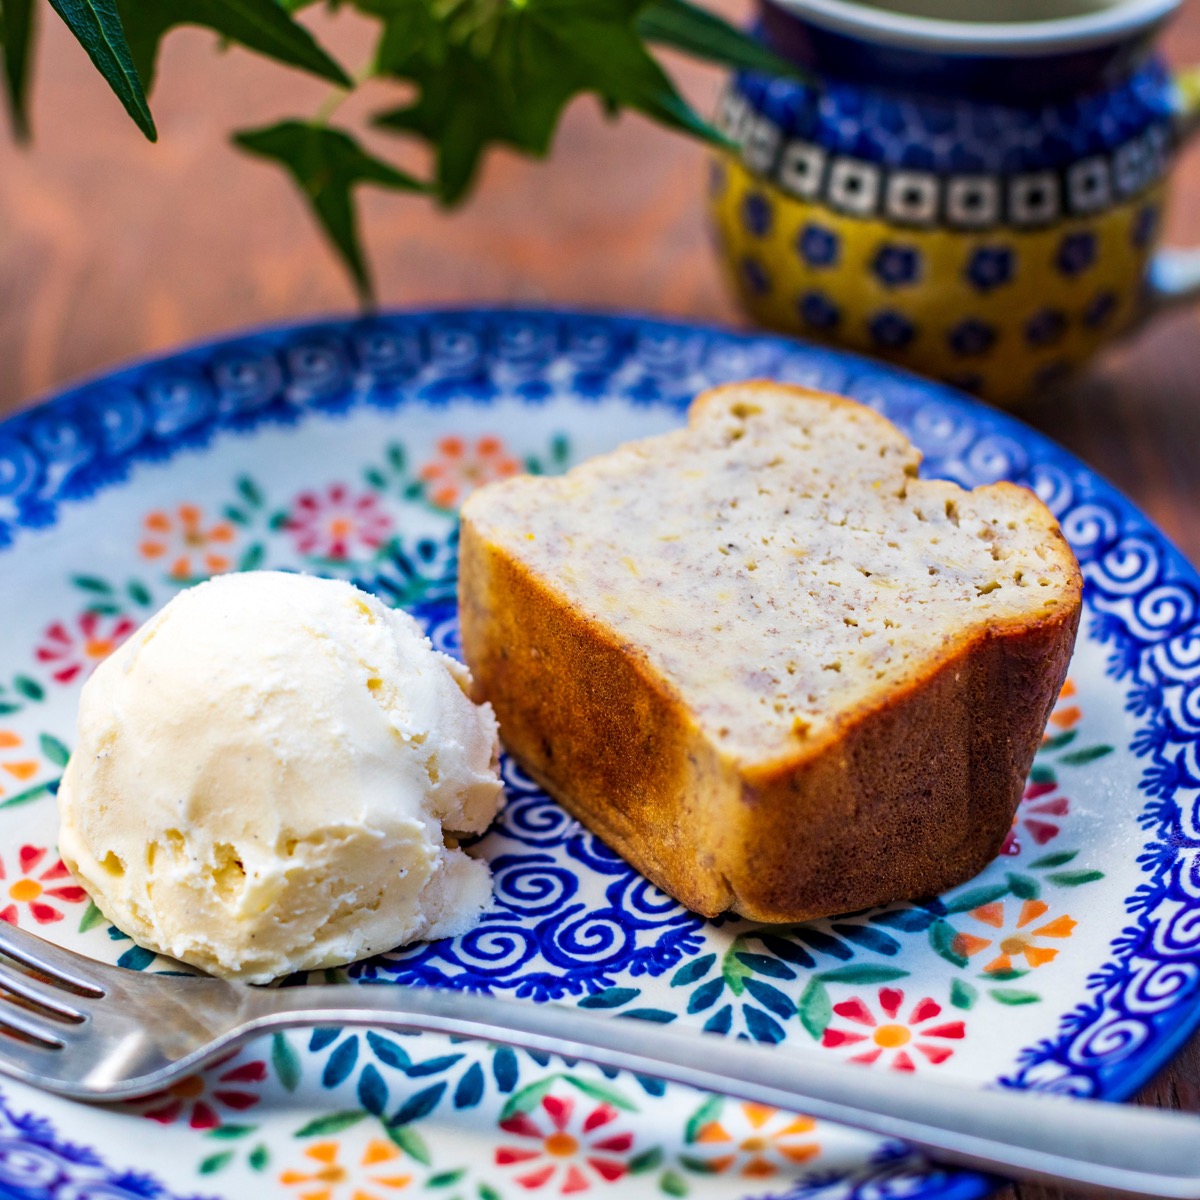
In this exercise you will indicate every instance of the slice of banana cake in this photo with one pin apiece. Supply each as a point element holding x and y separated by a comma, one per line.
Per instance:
<point>768,664</point>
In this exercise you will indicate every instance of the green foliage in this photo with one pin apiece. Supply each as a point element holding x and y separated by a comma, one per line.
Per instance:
<point>474,73</point>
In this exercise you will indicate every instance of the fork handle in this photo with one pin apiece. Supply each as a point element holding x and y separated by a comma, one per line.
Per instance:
<point>1031,1135</point>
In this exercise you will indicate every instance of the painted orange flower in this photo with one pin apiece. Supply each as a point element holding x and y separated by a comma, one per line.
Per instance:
<point>376,1168</point>
<point>38,893</point>
<point>1015,942</point>
<point>14,761</point>
<point>337,523</point>
<point>894,1039</point>
<point>572,1150</point>
<point>199,1098</point>
<point>462,465</point>
<point>71,651</point>
<point>755,1141</point>
<point>190,546</point>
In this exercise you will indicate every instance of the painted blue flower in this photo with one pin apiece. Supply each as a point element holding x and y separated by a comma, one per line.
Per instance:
<point>1076,253</point>
<point>891,330</point>
<point>1100,310</point>
<point>817,310</point>
<point>990,267</point>
<point>1144,225</point>
<point>755,277</point>
<point>756,214</point>
<point>896,265</point>
<point>818,246</point>
<point>972,337</point>
<point>1046,327</point>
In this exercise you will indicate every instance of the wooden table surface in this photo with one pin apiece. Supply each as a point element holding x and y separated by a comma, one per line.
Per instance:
<point>111,248</point>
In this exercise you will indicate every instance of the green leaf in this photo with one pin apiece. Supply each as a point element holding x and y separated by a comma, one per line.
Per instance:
<point>410,1141</point>
<point>327,165</point>
<point>708,1112</point>
<point>33,793</point>
<point>92,917</point>
<point>705,36</point>
<point>1023,887</point>
<point>962,994</point>
<point>862,973</point>
<point>976,897</point>
<point>214,1163</point>
<point>526,1099</point>
<point>815,1008</point>
<point>1012,997</point>
<point>1078,758</point>
<point>286,1062</point>
<point>18,29</point>
<point>97,26</point>
<point>504,73</point>
<point>29,688</point>
<point>1074,878</point>
<point>1055,860</point>
<point>228,1133</point>
<point>332,1123</point>
<point>54,750</point>
<point>601,1092</point>
<point>263,26</point>
<point>941,938</point>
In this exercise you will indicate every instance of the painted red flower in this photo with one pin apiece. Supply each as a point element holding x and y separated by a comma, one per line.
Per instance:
<point>338,524</point>
<point>565,1147</point>
<point>889,1038</point>
<point>462,465</point>
<point>190,545</point>
<point>199,1098</point>
<point>72,650</point>
<point>38,893</point>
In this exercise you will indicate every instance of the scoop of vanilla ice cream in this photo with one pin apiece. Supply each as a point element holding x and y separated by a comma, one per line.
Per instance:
<point>270,776</point>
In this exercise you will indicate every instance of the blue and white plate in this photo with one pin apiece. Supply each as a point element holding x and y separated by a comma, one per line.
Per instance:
<point>1072,963</point>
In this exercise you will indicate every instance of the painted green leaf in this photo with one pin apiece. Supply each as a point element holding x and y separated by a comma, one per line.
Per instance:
<point>602,1092</point>
<point>696,969</point>
<point>976,897</point>
<point>215,1162</point>
<point>942,936</point>
<point>1012,996</point>
<point>54,750</point>
<point>962,994</point>
<point>612,997</point>
<point>708,1112</point>
<point>330,1123</point>
<point>863,973</point>
<point>328,165</point>
<point>97,27</point>
<point>526,1099</point>
<point>1074,878</point>
<point>29,688</point>
<point>285,1061</point>
<point>648,1160</point>
<point>92,917</point>
<point>1078,758</point>
<point>815,1008</point>
<point>1054,860</point>
<point>229,1133</point>
<point>1022,886</point>
<point>410,1141</point>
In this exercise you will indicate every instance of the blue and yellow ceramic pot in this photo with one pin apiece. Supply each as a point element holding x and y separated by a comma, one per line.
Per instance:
<point>977,200</point>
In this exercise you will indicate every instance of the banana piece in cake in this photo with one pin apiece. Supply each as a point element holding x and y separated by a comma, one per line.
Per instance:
<point>764,661</point>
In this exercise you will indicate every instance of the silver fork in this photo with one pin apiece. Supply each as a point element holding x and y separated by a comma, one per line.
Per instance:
<point>94,1032</point>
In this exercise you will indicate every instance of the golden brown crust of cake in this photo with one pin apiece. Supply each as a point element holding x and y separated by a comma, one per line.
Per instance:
<point>905,796</point>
